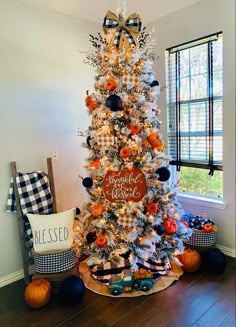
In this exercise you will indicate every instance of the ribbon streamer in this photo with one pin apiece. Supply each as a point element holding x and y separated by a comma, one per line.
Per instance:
<point>126,31</point>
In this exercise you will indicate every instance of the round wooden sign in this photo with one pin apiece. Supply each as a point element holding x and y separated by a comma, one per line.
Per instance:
<point>127,184</point>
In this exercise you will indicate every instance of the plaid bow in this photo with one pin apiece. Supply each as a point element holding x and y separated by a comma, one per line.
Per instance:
<point>127,30</point>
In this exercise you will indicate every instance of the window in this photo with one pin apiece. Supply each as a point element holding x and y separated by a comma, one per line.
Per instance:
<point>194,107</point>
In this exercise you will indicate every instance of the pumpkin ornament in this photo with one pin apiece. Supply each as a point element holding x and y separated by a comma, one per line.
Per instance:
<point>125,153</point>
<point>90,102</point>
<point>155,141</point>
<point>95,163</point>
<point>97,209</point>
<point>38,293</point>
<point>134,129</point>
<point>170,225</point>
<point>190,259</point>
<point>152,207</point>
<point>110,85</point>
<point>101,241</point>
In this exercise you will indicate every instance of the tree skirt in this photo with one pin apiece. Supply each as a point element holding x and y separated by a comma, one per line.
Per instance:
<point>160,284</point>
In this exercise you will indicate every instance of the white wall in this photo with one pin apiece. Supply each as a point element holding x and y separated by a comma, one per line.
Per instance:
<point>42,88</point>
<point>201,19</point>
<point>43,83</point>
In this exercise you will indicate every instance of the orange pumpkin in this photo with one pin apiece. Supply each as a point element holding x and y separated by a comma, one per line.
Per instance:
<point>156,141</point>
<point>191,260</point>
<point>101,241</point>
<point>38,293</point>
<point>152,207</point>
<point>90,102</point>
<point>125,153</point>
<point>110,85</point>
<point>207,228</point>
<point>95,163</point>
<point>134,129</point>
<point>97,209</point>
<point>170,225</point>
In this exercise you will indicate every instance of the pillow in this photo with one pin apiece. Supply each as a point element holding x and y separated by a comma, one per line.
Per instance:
<point>53,231</point>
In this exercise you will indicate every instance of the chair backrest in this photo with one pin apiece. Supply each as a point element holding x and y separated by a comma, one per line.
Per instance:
<point>23,208</point>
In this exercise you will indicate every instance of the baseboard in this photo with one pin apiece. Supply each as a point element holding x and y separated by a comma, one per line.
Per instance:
<point>227,251</point>
<point>11,278</point>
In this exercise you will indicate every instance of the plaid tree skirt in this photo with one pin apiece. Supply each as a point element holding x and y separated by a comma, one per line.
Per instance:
<point>161,283</point>
<point>104,272</point>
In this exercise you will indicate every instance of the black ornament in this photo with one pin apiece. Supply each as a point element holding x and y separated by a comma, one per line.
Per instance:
<point>88,141</point>
<point>159,229</point>
<point>87,182</point>
<point>125,255</point>
<point>91,237</point>
<point>164,174</point>
<point>72,290</point>
<point>114,102</point>
<point>154,83</point>
<point>213,261</point>
<point>77,212</point>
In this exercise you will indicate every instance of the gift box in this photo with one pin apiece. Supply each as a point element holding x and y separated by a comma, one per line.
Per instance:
<point>51,262</point>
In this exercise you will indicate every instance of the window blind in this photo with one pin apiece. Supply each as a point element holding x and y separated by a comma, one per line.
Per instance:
<point>194,103</point>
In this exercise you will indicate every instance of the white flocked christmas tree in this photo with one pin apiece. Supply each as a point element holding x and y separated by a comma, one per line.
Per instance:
<point>132,214</point>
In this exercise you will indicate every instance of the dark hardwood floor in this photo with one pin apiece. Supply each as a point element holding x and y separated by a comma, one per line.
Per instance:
<point>197,299</point>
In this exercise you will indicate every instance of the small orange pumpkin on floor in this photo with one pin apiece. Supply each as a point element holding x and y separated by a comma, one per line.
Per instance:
<point>38,293</point>
<point>190,259</point>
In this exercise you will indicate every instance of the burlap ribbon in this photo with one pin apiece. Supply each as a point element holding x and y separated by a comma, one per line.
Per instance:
<point>126,31</point>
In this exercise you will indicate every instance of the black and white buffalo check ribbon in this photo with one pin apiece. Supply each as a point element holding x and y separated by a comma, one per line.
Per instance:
<point>34,195</point>
<point>104,272</point>
<point>129,28</point>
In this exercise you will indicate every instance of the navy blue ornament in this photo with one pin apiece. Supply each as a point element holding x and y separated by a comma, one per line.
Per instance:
<point>114,102</point>
<point>91,237</point>
<point>164,174</point>
<point>72,290</point>
<point>88,141</point>
<point>145,210</point>
<point>213,261</point>
<point>87,182</point>
<point>159,229</point>
<point>154,83</point>
<point>77,212</point>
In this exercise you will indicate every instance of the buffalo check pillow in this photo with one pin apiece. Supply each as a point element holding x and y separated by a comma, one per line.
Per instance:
<point>52,232</point>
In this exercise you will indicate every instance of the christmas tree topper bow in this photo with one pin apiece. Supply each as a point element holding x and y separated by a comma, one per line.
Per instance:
<point>125,30</point>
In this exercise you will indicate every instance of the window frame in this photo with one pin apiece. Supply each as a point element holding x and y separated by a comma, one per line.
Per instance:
<point>210,164</point>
